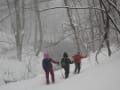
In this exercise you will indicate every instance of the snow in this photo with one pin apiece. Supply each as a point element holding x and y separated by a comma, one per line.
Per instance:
<point>11,69</point>
<point>103,76</point>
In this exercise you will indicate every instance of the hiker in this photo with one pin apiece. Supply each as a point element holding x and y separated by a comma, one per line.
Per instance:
<point>48,68</point>
<point>77,60</point>
<point>65,64</point>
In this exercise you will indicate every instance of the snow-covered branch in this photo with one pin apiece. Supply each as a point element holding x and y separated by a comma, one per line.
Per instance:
<point>68,8</point>
<point>115,7</point>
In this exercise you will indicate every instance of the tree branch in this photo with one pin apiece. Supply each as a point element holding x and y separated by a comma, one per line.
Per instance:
<point>112,4</point>
<point>67,7</point>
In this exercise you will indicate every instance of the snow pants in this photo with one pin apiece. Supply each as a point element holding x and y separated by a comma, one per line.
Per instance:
<point>49,72</point>
<point>77,67</point>
<point>66,69</point>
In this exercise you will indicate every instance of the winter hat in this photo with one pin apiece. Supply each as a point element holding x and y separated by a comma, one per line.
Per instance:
<point>65,54</point>
<point>46,55</point>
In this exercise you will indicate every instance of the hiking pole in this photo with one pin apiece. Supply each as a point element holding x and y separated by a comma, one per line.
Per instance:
<point>60,69</point>
<point>62,73</point>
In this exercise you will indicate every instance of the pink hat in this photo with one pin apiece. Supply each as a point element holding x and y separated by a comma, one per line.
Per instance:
<point>46,55</point>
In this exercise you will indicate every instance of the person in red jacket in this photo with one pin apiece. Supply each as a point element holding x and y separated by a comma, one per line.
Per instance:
<point>77,60</point>
<point>48,68</point>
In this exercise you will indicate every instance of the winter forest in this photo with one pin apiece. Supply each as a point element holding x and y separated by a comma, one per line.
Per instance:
<point>28,28</point>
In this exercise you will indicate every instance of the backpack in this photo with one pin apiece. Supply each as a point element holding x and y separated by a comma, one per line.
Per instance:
<point>47,63</point>
<point>63,63</point>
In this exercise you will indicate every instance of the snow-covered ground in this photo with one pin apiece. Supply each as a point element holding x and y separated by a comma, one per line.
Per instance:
<point>103,76</point>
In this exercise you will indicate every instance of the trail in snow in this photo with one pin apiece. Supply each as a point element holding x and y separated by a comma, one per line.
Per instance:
<point>104,76</point>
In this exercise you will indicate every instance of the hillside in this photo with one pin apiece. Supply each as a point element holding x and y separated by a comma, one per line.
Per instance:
<point>104,76</point>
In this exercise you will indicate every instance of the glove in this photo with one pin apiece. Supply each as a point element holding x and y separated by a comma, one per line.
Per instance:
<point>72,62</point>
<point>58,63</point>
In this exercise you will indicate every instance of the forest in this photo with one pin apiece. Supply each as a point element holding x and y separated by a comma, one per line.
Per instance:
<point>56,26</point>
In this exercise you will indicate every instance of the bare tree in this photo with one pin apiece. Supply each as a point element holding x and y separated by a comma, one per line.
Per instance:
<point>106,20</point>
<point>91,26</point>
<point>18,25</point>
<point>76,34</point>
<point>19,34</point>
<point>36,6</point>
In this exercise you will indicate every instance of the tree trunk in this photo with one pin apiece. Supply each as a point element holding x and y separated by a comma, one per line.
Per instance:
<point>19,32</point>
<point>73,26</point>
<point>40,26</point>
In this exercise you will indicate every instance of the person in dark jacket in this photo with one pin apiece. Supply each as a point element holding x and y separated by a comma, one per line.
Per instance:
<point>48,68</point>
<point>65,63</point>
<point>77,60</point>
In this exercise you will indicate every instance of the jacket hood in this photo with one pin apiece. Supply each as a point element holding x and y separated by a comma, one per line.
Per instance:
<point>65,54</point>
<point>46,55</point>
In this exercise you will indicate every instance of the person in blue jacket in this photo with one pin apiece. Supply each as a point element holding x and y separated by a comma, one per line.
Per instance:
<point>48,68</point>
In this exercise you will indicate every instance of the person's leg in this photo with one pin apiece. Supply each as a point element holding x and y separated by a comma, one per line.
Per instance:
<point>47,76</point>
<point>66,72</point>
<point>79,67</point>
<point>67,75</point>
<point>52,75</point>
<point>75,68</point>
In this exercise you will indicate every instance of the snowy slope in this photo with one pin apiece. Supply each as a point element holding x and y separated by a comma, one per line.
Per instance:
<point>104,76</point>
